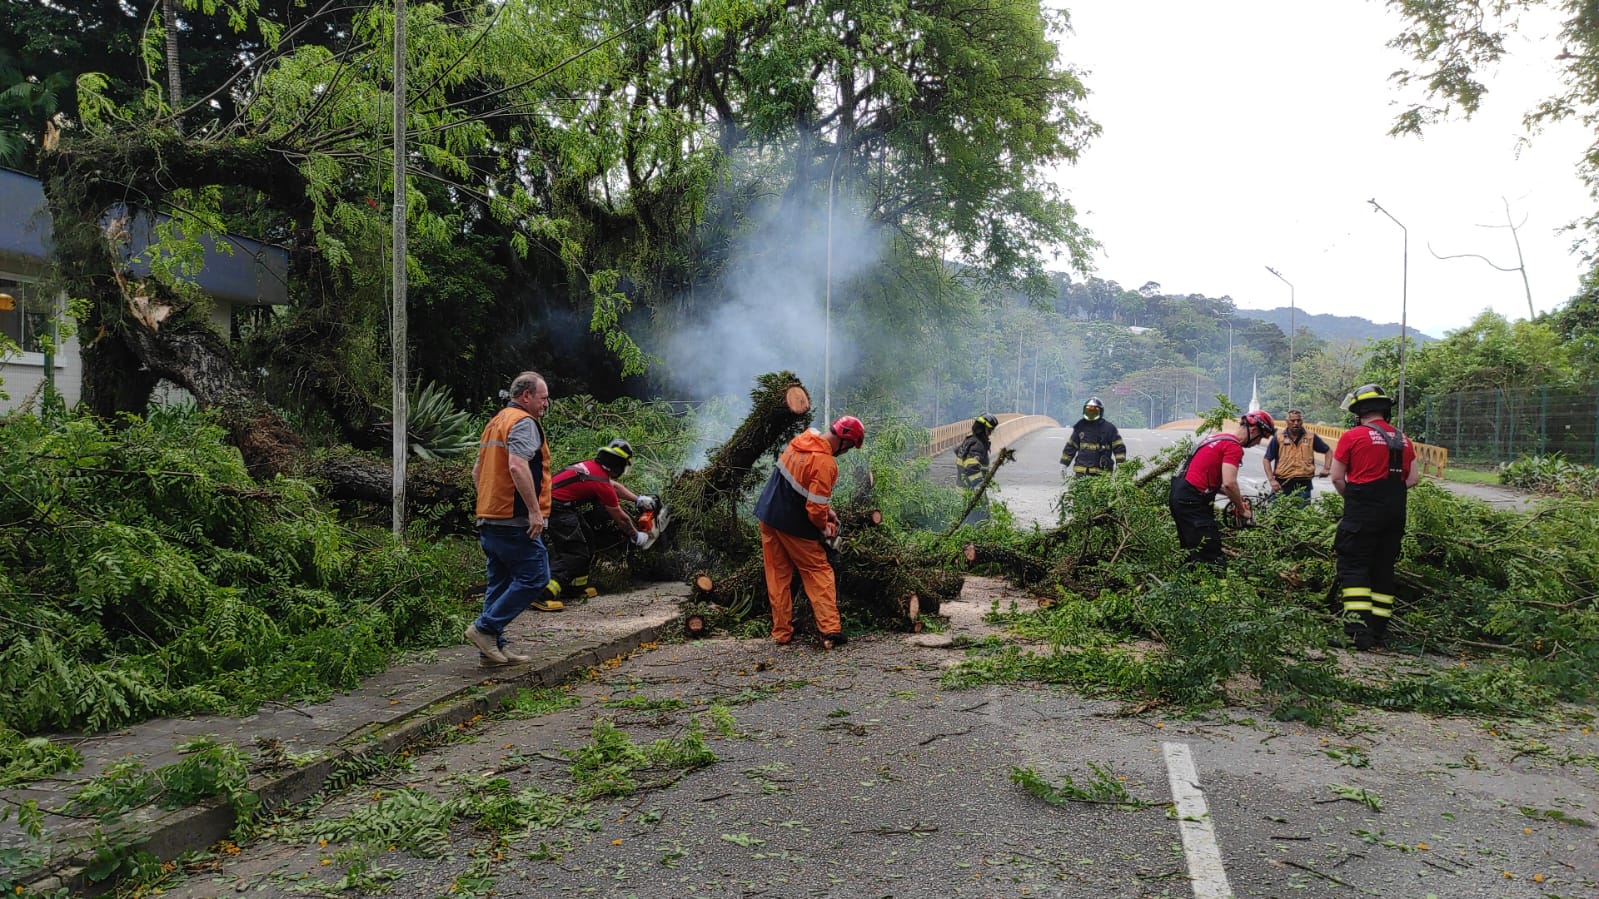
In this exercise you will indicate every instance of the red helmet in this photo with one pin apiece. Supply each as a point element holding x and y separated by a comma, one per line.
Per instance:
<point>849,429</point>
<point>1260,420</point>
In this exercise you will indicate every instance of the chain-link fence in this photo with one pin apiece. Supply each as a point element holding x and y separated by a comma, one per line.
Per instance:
<point>1493,426</point>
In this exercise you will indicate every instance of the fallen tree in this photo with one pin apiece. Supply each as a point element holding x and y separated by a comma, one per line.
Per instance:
<point>713,544</point>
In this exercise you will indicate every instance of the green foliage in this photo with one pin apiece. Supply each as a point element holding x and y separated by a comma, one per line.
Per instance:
<point>412,820</point>
<point>1104,788</point>
<point>611,764</point>
<point>436,429</point>
<point>1551,474</point>
<point>24,759</point>
<point>208,769</point>
<point>534,703</point>
<point>1124,624</point>
<point>144,572</point>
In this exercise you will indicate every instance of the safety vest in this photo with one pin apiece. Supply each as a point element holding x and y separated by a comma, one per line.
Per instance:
<point>1296,460</point>
<point>497,496</point>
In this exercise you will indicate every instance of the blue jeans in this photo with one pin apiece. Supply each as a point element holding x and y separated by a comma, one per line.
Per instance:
<point>518,570</point>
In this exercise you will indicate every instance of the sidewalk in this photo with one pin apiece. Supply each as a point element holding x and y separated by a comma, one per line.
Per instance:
<point>388,712</point>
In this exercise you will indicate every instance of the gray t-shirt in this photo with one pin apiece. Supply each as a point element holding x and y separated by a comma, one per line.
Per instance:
<point>524,442</point>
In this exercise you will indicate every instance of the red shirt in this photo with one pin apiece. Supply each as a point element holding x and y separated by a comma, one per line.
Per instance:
<point>1204,470</point>
<point>1365,455</point>
<point>572,489</point>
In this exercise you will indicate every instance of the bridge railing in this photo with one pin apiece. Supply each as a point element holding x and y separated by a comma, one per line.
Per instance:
<point>1012,427</point>
<point>1432,459</point>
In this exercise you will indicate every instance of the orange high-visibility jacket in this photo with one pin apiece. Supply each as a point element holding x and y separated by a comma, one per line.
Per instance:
<point>799,494</point>
<point>497,496</point>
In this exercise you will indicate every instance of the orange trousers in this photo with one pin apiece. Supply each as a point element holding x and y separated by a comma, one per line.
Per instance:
<point>783,553</point>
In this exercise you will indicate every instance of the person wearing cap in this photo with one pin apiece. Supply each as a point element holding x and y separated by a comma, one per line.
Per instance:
<point>796,514</point>
<point>1212,468</point>
<point>1373,468</point>
<point>1095,446</point>
<point>579,493</point>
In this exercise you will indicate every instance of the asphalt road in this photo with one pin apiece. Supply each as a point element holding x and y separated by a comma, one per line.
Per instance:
<point>855,774</point>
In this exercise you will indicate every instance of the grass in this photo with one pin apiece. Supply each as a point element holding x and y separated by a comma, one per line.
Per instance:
<point>1462,475</point>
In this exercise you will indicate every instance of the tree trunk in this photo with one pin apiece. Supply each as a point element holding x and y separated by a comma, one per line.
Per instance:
<point>169,28</point>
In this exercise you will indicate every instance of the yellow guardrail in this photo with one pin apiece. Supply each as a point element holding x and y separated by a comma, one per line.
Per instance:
<point>1433,459</point>
<point>1012,427</point>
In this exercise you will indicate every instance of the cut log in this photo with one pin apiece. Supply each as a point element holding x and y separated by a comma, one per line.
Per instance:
<point>797,400</point>
<point>704,583</point>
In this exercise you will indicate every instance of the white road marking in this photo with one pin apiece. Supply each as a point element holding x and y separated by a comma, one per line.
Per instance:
<point>1205,871</point>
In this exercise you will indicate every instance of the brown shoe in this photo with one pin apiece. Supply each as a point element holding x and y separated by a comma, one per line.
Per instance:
<point>486,645</point>
<point>515,658</point>
<point>484,661</point>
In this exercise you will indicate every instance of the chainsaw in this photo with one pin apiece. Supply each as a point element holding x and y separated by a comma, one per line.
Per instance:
<point>653,522</point>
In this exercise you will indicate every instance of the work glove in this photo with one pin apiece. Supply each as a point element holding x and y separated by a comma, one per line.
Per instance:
<point>640,538</point>
<point>645,502</point>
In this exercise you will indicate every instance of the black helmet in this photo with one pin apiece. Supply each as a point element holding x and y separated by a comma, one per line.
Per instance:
<point>1094,403</point>
<point>615,458</point>
<point>1367,398</point>
<point>983,425</point>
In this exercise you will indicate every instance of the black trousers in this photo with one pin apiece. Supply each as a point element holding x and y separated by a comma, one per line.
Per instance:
<point>1197,530</point>
<point>571,553</point>
<point>1369,538</point>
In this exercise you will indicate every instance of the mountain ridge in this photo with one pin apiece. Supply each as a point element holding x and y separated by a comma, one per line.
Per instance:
<point>1333,327</point>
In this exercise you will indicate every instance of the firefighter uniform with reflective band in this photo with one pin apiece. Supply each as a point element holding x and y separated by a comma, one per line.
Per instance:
<point>793,513</point>
<point>971,459</point>
<point>1378,460</point>
<point>1093,447</point>
<point>1193,497</point>
<point>576,491</point>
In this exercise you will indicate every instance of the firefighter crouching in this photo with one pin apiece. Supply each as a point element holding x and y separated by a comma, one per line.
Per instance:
<point>1095,445</point>
<point>579,492</point>
<point>1210,469</point>
<point>1373,468</point>
<point>796,515</point>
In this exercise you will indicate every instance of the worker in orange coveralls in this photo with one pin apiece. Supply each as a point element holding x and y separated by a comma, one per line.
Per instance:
<point>796,515</point>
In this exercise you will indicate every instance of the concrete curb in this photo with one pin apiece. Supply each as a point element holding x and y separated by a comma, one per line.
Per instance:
<point>168,834</point>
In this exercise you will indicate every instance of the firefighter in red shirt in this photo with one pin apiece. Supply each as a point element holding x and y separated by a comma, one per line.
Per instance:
<point>1373,467</point>
<point>1213,468</point>
<point>578,494</point>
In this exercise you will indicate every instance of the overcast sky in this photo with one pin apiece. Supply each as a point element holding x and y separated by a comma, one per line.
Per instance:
<point>1250,133</point>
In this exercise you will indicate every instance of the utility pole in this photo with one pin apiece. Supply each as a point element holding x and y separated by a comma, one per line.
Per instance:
<point>1404,303</point>
<point>398,318</point>
<point>1293,328</point>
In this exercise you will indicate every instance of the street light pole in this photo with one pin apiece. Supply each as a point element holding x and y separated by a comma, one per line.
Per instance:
<point>827,307</point>
<point>1404,302</point>
<point>398,329</point>
<point>1229,317</point>
<point>1293,327</point>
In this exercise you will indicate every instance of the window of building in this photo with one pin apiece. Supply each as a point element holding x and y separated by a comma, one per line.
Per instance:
<point>25,315</point>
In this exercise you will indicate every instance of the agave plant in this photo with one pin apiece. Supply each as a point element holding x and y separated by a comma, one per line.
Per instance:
<point>436,429</point>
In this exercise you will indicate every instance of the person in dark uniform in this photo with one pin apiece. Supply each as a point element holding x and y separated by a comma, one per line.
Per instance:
<point>1095,445</point>
<point>1213,468</point>
<point>1373,469</point>
<point>971,457</point>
